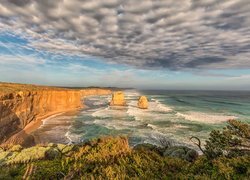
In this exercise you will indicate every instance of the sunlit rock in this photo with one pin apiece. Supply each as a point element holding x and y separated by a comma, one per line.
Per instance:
<point>118,99</point>
<point>143,102</point>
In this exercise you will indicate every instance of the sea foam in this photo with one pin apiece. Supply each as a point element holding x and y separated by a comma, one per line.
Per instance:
<point>205,117</point>
<point>73,138</point>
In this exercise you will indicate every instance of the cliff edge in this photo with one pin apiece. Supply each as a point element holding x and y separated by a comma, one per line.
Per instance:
<point>22,105</point>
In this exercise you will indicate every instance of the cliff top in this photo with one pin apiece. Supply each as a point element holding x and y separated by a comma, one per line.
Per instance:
<point>16,87</point>
<point>6,88</point>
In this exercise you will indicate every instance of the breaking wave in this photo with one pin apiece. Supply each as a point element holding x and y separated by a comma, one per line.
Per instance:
<point>205,117</point>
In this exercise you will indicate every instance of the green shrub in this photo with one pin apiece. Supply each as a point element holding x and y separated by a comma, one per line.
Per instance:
<point>112,158</point>
<point>233,141</point>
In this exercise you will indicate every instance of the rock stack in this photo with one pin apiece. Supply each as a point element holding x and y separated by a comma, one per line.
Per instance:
<point>143,102</point>
<point>118,99</point>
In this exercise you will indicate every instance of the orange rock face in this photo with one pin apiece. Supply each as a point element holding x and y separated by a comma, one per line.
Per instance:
<point>18,109</point>
<point>94,91</point>
<point>143,102</point>
<point>23,108</point>
<point>118,99</point>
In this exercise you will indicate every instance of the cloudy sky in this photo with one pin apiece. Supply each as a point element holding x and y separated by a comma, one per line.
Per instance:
<point>147,44</point>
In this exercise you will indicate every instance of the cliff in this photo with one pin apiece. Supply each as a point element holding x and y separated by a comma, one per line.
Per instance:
<point>94,91</point>
<point>22,105</point>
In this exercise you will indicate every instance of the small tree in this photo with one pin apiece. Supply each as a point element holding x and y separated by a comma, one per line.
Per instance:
<point>234,140</point>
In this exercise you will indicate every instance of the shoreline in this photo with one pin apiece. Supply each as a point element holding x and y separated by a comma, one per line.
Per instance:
<point>25,138</point>
<point>34,125</point>
<point>24,107</point>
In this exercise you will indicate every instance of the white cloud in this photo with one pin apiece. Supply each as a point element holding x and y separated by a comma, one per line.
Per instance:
<point>20,60</point>
<point>146,34</point>
<point>241,77</point>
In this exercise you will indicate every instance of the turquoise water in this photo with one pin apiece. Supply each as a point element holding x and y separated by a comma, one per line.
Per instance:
<point>172,115</point>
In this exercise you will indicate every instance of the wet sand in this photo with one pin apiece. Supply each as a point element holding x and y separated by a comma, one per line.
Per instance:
<point>24,137</point>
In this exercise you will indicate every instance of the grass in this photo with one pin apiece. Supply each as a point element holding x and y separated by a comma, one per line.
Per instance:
<point>14,87</point>
<point>112,158</point>
<point>9,90</point>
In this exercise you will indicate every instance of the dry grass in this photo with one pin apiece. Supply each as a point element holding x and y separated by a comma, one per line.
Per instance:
<point>7,90</point>
<point>14,87</point>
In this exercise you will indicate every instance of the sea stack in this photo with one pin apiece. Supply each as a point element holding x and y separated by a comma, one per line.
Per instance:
<point>118,99</point>
<point>143,102</point>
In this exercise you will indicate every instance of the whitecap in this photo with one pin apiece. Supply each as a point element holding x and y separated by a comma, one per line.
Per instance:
<point>109,112</point>
<point>46,120</point>
<point>205,117</point>
<point>152,126</point>
<point>73,138</point>
<point>156,105</point>
<point>138,114</point>
<point>117,124</point>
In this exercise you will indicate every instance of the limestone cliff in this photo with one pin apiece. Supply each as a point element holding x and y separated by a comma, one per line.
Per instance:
<point>143,102</point>
<point>94,91</point>
<point>118,99</point>
<point>20,108</point>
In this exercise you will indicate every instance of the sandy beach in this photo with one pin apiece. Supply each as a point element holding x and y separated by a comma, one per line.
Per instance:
<point>24,137</point>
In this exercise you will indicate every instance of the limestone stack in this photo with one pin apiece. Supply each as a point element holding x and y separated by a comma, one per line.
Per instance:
<point>118,99</point>
<point>143,102</point>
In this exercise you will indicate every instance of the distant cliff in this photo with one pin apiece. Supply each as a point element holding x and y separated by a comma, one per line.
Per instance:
<point>94,91</point>
<point>19,108</point>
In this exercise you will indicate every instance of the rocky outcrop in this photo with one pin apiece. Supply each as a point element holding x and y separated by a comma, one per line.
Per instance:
<point>143,102</point>
<point>181,152</point>
<point>21,108</point>
<point>118,99</point>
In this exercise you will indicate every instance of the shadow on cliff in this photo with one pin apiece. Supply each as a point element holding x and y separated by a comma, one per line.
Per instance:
<point>10,131</point>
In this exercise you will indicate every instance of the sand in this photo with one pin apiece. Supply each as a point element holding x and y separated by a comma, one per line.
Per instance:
<point>24,137</point>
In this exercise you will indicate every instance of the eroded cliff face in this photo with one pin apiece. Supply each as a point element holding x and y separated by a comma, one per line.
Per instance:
<point>94,91</point>
<point>143,102</point>
<point>118,99</point>
<point>19,109</point>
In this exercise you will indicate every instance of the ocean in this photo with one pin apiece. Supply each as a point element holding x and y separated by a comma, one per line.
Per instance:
<point>172,115</point>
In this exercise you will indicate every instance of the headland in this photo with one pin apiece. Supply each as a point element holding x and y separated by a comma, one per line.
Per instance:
<point>23,107</point>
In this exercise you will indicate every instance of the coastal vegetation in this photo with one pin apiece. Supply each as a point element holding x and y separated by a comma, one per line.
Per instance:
<point>7,88</point>
<point>226,156</point>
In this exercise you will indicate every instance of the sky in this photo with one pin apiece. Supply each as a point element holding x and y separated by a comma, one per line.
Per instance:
<point>144,44</point>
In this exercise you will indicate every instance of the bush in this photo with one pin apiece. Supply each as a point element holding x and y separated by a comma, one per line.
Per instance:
<point>233,141</point>
<point>112,158</point>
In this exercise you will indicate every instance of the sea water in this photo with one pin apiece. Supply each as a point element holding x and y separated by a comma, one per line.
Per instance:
<point>172,115</point>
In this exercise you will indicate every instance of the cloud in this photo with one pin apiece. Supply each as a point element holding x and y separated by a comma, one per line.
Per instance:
<point>241,77</point>
<point>21,60</point>
<point>212,74</point>
<point>148,34</point>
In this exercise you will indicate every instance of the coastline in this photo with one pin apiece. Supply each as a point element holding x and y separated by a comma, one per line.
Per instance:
<point>23,109</point>
<point>34,125</point>
<point>25,137</point>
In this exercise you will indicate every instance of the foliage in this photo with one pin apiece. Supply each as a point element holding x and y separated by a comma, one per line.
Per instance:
<point>233,141</point>
<point>220,168</point>
<point>112,158</point>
